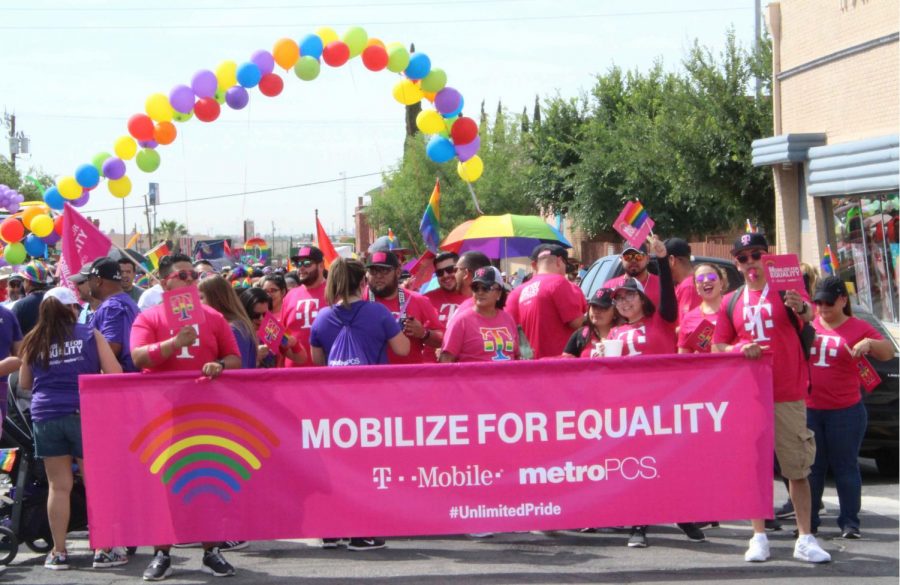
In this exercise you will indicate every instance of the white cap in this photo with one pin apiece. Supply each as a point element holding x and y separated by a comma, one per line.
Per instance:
<point>62,294</point>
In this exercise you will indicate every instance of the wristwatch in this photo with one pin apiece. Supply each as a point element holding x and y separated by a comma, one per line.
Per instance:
<point>805,309</point>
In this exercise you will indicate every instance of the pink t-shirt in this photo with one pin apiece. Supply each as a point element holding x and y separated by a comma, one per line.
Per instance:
<point>544,306</point>
<point>298,313</point>
<point>446,304</point>
<point>419,308</point>
<point>651,286</point>
<point>689,323</point>
<point>215,340</point>
<point>687,297</point>
<point>473,338</point>
<point>649,336</point>
<point>769,326</point>
<point>835,382</point>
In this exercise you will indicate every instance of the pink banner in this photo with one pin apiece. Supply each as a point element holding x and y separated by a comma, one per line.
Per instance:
<point>82,243</point>
<point>407,450</point>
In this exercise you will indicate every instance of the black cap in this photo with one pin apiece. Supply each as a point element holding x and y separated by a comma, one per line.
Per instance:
<point>488,276</point>
<point>603,298</point>
<point>830,289</point>
<point>629,248</point>
<point>106,268</point>
<point>542,250</point>
<point>754,240</point>
<point>82,275</point>
<point>385,258</point>
<point>309,252</point>
<point>678,247</point>
<point>631,284</point>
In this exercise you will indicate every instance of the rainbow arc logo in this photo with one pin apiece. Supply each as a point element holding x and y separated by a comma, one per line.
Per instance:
<point>204,449</point>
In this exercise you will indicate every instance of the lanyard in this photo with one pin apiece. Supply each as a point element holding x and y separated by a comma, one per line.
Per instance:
<point>404,301</point>
<point>759,303</point>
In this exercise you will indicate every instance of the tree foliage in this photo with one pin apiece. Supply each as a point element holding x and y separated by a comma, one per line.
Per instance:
<point>25,184</point>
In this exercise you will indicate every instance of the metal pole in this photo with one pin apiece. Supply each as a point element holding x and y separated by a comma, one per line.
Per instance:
<point>757,33</point>
<point>124,228</point>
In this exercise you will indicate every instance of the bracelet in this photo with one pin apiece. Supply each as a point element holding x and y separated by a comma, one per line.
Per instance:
<point>154,352</point>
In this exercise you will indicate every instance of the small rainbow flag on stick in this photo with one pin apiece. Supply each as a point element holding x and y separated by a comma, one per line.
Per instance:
<point>749,228</point>
<point>430,227</point>
<point>7,459</point>
<point>634,223</point>
<point>156,254</point>
<point>829,262</point>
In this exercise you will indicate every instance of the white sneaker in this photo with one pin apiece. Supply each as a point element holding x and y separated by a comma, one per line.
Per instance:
<point>758,549</point>
<point>808,549</point>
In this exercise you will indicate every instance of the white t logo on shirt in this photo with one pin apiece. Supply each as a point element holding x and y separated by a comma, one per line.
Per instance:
<point>446,312</point>
<point>756,322</point>
<point>307,310</point>
<point>823,351</point>
<point>634,336</point>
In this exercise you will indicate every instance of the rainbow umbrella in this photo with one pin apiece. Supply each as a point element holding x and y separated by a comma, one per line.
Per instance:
<point>503,236</point>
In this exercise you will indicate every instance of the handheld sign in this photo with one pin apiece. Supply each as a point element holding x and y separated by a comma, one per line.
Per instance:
<point>183,307</point>
<point>701,339</point>
<point>868,377</point>
<point>270,332</point>
<point>634,224</point>
<point>783,273</point>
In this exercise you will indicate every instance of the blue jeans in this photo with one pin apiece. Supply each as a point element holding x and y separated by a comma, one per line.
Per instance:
<point>839,435</point>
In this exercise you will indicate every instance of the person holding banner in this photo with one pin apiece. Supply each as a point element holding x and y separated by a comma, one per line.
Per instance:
<point>834,408</point>
<point>679,256</point>
<point>276,287</point>
<point>753,321</point>
<point>117,311</point>
<point>218,294</point>
<point>257,303</point>
<point>600,319</point>
<point>300,307</point>
<point>54,353</point>
<point>710,283</point>
<point>208,347</point>
<point>466,266</point>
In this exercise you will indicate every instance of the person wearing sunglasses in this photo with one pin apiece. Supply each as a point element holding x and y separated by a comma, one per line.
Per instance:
<point>710,283</point>
<point>117,312</point>
<point>634,265</point>
<point>757,321</point>
<point>14,290</point>
<point>301,305</point>
<point>209,348</point>
<point>834,408</point>
<point>446,298</point>
<point>257,303</point>
<point>601,317</point>
<point>275,285</point>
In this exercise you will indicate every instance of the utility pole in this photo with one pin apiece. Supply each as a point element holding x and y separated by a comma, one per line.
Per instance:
<point>18,143</point>
<point>344,181</point>
<point>273,241</point>
<point>757,32</point>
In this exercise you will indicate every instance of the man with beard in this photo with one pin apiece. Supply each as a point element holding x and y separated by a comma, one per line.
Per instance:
<point>635,262</point>
<point>466,266</point>
<point>413,311</point>
<point>445,298</point>
<point>301,304</point>
<point>127,269</point>
<point>116,314</point>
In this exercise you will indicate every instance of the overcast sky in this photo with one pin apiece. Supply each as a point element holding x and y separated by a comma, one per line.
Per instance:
<point>74,72</point>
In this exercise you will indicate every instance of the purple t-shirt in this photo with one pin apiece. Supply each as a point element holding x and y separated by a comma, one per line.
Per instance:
<point>54,391</point>
<point>373,326</point>
<point>9,334</point>
<point>247,345</point>
<point>113,319</point>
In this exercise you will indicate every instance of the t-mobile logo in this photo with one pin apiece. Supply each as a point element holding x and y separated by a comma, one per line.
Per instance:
<point>307,309</point>
<point>635,337</point>
<point>757,320</point>
<point>826,347</point>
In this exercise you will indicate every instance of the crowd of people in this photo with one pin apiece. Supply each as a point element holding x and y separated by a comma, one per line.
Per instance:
<point>358,313</point>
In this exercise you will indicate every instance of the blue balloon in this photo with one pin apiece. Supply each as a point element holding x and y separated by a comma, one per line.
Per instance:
<point>248,74</point>
<point>35,247</point>
<point>54,199</point>
<point>439,149</point>
<point>87,176</point>
<point>419,66</point>
<point>311,46</point>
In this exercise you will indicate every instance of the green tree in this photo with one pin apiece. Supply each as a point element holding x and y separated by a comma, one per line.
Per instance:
<point>25,184</point>
<point>170,230</point>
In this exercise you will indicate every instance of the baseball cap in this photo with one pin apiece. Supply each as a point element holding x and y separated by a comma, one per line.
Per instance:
<point>642,249</point>
<point>386,259</point>
<point>82,275</point>
<point>106,268</point>
<point>630,284</point>
<point>310,252</point>
<point>830,289</point>
<point>603,298</point>
<point>542,250</point>
<point>678,247</point>
<point>35,271</point>
<point>754,240</point>
<point>61,294</point>
<point>488,276</point>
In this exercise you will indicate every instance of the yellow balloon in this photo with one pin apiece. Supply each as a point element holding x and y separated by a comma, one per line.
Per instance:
<point>69,188</point>
<point>226,73</point>
<point>125,147</point>
<point>119,187</point>
<point>407,93</point>
<point>42,225</point>
<point>159,108</point>
<point>327,35</point>
<point>470,170</point>
<point>429,122</point>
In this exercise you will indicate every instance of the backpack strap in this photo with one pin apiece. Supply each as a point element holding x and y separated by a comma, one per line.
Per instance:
<point>732,302</point>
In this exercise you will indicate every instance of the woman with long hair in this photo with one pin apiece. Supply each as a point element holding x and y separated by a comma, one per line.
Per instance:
<point>711,283</point>
<point>257,303</point>
<point>218,294</point>
<point>276,287</point>
<point>54,353</point>
<point>601,317</point>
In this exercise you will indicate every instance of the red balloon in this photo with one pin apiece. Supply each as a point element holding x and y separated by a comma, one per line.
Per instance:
<point>336,53</point>
<point>12,230</point>
<point>58,225</point>
<point>271,84</point>
<point>464,131</point>
<point>141,127</point>
<point>375,58</point>
<point>207,109</point>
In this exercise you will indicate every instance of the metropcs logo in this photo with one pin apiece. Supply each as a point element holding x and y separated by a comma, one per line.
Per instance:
<point>627,468</point>
<point>204,449</point>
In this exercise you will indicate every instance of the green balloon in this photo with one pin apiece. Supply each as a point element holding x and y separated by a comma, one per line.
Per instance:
<point>434,81</point>
<point>220,96</point>
<point>147,160</point>
<point>98,160</point>
<point>14,253</point>
<point>398,59</point>
<point>307,68</point>
<point>179,117</point>
<point>356,38</point>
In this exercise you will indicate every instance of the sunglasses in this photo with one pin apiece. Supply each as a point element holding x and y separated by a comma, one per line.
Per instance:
<point>483,288</point>
<point>709,277</point>
<point>381,270</point>
<point>303,263</point>
<point>184,275</point>
<point>633,256</point>
<point>445,271</point>
<point>257,315</point>
<point>743,258</point>
<point>15,284</point>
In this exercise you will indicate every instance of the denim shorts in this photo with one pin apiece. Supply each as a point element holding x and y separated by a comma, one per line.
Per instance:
<point>58,436</point>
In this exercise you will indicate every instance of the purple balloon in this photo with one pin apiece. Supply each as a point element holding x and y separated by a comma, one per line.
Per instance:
<point>51,238</point>
<point>237,97</point>
<point>466,151</point>
<point>13,207</point>
<point>148,143</point>
<point>447,100</point>
<point>113,168</point>
<point>81,201</point>
<point>263,60</point>
<point>182,98</point>
<point>204,84</point>
<point>3,261</point>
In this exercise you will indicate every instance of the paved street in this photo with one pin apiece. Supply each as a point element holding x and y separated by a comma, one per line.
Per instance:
<point>535,558</point>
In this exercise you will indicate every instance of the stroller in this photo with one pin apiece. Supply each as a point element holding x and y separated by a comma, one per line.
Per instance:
<point>24,487</point>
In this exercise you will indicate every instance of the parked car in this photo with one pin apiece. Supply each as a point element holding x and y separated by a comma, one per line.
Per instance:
<point>882,440</point>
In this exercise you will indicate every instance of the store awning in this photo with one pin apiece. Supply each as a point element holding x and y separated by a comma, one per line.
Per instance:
<point>785,148</point>
<point>861,166</point>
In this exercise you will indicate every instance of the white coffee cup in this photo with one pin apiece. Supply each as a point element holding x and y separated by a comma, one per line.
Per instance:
<point>613,347</point>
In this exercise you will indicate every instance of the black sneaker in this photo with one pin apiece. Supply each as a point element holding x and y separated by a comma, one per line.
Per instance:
<point>638,537</point>
<point>692,531</point>
<point>366,544</point>
<point>334,542</point>
<point>851,534</point>
<point>215,564</point>
<point>773,525</point>
<point>786,512</point>
<point>160,567</point>
<point>233,545</point>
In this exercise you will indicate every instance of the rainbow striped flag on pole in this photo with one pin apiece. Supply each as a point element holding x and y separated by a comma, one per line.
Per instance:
<point>430,226</point>
<point>7,459</point>
<point>634,223</point>
<point>749,228</point>
<point>829,262</point>
<point>154,255</point>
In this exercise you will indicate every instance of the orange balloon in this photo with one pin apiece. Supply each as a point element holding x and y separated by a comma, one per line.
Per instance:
<point>31,212</point>
<point>165,133</point>
<point>286,52</point>
<point>373,42</point>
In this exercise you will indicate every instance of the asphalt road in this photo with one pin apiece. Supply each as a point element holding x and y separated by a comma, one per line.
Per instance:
<point>560,557</point>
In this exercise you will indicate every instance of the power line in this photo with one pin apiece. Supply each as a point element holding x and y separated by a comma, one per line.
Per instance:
<point>242,8</point>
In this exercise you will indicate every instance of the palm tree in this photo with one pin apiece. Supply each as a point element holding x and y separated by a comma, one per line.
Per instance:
<point>171,230</point>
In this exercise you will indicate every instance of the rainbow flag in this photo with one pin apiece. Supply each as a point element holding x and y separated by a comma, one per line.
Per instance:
<point>430,226</point>
<point>143,280</point>
<point>323,242</point>
<point>634,223</point>
<point>829,262</point>
<point>392,239</point>
<point>134,240</point>
<point>637,215</point>
<point>154,255</point>
<point>7,459</point>
<point>749,228</point>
